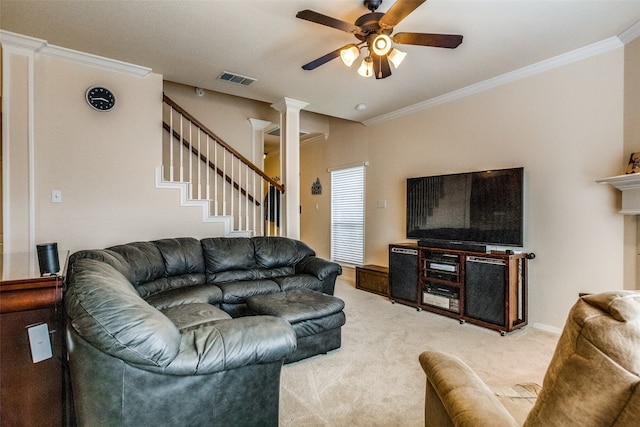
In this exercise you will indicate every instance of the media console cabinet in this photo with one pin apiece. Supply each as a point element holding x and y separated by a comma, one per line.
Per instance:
<point>486,289</point>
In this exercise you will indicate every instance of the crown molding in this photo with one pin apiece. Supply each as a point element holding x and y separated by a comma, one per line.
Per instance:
<point>9,39</point>
<point>94,60</point>
<point>630,34</point>
<point>531,70</point>
<point>41,47</point>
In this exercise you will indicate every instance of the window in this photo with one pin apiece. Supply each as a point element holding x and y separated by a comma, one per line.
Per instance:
<point>347,215</point>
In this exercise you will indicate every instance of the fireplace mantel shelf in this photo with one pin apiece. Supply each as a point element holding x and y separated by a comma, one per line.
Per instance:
<point>630,186</point>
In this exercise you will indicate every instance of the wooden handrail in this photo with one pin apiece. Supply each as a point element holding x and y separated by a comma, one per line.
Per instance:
<point>211,165</point>
<point>220,141</point>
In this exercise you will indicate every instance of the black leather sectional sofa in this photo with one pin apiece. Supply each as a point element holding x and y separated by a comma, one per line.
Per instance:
<point>160,333</point>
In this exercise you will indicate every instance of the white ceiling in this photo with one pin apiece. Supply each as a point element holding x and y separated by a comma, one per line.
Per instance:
<point>192,42</point>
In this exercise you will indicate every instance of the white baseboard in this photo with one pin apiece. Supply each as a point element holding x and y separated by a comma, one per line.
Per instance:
<point>547,328</point>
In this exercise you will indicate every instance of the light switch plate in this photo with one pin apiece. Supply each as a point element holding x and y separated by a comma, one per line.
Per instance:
<point>56,196</point>
<point>40,342</point>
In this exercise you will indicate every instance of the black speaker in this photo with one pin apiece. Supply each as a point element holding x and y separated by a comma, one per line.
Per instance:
<point>484,289</point>
<point>403,273</point>
<point>48,258</point>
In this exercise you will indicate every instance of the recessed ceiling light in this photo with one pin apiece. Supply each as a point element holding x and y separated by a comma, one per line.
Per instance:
<point>361,107</point>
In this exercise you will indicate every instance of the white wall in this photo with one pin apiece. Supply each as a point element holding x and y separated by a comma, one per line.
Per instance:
<point>565,126</point>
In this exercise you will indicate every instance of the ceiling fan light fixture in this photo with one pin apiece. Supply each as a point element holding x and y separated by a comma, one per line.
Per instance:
<point>366,68</point>
<point>349,55</point>
<point>396,57</point>
<point>381,45</point>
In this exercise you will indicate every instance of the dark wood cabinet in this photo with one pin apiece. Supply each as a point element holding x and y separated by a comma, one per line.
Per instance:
<point>373,278</point>
<point>486,289</point>
<point>32,394</point>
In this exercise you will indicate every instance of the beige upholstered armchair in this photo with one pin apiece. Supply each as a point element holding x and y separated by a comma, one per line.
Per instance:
<point>593,378</point>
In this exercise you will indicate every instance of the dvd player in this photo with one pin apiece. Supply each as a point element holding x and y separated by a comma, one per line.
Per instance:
<point>451,268</point>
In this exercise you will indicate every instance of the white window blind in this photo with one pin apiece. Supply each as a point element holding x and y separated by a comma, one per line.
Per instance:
<point>347,215</point>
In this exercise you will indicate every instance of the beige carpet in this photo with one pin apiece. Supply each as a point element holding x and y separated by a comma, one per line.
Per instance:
<point>375,378</point>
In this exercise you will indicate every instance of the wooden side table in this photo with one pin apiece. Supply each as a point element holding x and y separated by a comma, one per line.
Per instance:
<point>32,394</point>
<point>373,278</point>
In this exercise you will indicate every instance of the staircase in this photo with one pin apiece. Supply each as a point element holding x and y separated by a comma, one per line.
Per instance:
<point>211,174</point>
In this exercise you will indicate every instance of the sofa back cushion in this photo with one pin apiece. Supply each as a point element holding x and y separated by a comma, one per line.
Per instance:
<point>223,255</point>
<point>181,256</point>
<point>243,258</point>
<point>145,260</point>
<point>106,311</point>
<point>274,252</point>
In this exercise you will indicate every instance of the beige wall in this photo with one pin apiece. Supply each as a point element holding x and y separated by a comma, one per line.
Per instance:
<point>631,144</point>
<point>103,163</point>
<point>564,126</point>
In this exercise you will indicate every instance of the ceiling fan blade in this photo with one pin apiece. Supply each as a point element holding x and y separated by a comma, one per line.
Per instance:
<point>381,68</point>
<point>318,18</point>
<point>397,12</point>
<point>323,59</point>
<point>449,41</point>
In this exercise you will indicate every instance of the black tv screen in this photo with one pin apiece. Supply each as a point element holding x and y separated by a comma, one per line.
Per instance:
<point>476,207</point>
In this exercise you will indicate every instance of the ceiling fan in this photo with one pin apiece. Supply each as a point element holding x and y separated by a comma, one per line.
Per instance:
<point>373,30</point>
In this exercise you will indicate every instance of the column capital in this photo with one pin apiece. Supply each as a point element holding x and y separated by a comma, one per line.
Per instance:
<point>258,124</point>
<point>288,104</point>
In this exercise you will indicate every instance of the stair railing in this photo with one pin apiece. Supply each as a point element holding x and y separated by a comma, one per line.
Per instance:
<point>216,172</point>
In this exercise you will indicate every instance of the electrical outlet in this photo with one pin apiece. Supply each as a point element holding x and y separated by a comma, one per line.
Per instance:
<point>56,196</point>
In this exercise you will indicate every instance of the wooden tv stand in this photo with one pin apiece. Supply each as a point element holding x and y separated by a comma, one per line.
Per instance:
<point>486,289</point>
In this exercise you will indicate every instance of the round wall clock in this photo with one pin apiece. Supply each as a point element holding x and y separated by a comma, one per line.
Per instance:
<point>100,98</point>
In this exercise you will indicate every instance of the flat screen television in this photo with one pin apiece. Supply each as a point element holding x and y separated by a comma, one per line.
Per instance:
<point>484,208</point>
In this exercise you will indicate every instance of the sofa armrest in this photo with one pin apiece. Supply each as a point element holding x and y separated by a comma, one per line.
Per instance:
<point>326,271</point>
<point>231,344</point>
<point>456,396</point>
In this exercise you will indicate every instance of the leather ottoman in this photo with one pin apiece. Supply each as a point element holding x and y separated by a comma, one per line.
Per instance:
<point>315,317</point>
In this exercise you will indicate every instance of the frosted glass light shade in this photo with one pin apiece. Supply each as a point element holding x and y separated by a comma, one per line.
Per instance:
<point>349,55</point>
<point>366,68</point>
<point>396,57</point>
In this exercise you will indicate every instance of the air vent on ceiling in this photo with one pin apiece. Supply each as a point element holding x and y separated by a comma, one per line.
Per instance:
<point>236,78</point>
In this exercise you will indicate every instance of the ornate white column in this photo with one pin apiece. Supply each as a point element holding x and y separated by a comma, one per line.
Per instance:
<point>290,163</point>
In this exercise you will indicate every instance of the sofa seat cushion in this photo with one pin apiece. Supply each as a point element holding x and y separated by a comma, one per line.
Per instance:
<point>296,305</point>
<point>299,281</point>
<point>204,293</point>
<point>238,292</point>
<point>187,316</point>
